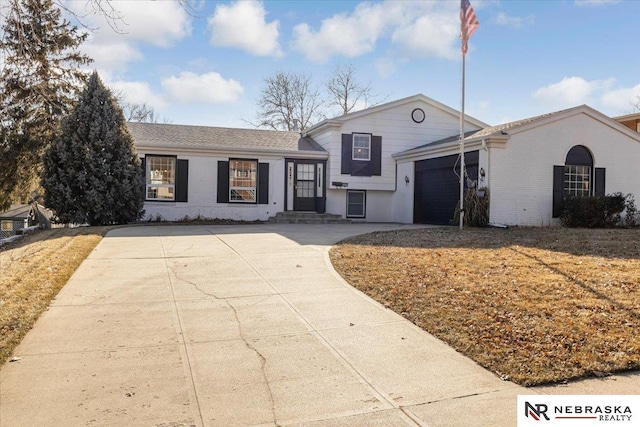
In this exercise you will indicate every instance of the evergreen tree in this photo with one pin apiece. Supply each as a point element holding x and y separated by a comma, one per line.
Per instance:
<point>92,173</point>
<point>39,82</point>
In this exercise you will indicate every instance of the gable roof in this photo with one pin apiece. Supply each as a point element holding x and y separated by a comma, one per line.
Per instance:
<point>503,131</point>
<point>337,121</point>
<point>16,212</point>
<point>156,135</point>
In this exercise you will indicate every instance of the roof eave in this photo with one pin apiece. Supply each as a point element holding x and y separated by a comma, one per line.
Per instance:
<point>448,148</point>
<point>230,151</point>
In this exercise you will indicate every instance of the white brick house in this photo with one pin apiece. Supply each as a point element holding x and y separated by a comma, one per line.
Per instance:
<point>389,163</point>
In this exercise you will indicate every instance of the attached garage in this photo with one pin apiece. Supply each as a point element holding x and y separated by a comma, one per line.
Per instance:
<point>437,188</point>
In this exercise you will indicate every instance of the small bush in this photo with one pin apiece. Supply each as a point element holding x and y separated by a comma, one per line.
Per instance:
<point>631,212</point>
<point>476,208</point>
<point>592,212</point>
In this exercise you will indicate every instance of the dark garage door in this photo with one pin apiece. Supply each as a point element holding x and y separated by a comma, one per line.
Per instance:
<point>437,189</point>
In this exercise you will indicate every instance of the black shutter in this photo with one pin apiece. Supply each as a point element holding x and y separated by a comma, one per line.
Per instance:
<point>143,165</point>
<point>376,155</point>
<point>347,144</point>
<point>263,183</point>
<point>182,180</point>
<point>558,190</point>
<point>223,182</point>
<point>600,182</point>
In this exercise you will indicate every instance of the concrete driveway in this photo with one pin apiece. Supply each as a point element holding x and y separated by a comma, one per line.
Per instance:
<point>236,325</point>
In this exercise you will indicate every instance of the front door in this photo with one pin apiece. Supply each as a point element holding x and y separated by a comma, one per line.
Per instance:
<point>304,194</point>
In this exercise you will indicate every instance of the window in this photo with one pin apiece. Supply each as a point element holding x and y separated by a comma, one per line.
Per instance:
<point>578,172</point>
<point>577,180</point>
<point>361,147</point>
<point>242,180</point>
<point>6,225</point>
<point>356,203</point>
<point>161,177</point>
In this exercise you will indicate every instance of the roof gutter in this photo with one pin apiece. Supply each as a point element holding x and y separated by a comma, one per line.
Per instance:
<point>452,147</point>
<point>226,152</point>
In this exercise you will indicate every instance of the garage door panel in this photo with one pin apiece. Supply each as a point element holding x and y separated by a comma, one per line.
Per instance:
<point>437,189</point>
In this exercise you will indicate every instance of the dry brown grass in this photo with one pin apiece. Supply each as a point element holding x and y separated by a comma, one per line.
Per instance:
<point>31,274</point>
<point>533,305</point>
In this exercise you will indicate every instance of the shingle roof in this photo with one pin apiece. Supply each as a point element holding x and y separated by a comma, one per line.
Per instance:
<point>17,212</point>
<point>207,137</point>
<point>493,130</point>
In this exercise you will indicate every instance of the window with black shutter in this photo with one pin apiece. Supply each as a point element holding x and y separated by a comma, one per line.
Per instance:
<point>361,154</point>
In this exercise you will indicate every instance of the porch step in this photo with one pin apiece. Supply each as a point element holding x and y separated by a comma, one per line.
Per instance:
<point>307,218</point>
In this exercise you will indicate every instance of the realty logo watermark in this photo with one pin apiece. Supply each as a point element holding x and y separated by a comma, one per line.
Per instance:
<point>582,410</point>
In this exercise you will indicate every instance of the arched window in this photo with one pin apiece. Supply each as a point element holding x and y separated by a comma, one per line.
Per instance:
<point>577,177</point>
<point>578,172</point>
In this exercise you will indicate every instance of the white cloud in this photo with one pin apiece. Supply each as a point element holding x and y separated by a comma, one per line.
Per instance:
<point>571,91</point>
<point>417,28</point>
<point>512,21</point>
<point>160,23</point>
<point>112,56</point>
<point>621,99</point>
<point>600,94</point>
<point>205,88</point>
<point>434,34</point>
<point>137,93</point>
<point>242,25</point>
<point>344,34</point>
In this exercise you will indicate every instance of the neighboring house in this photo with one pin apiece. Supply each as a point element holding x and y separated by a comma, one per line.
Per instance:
<point>632,121</point>
<point>15,218</point>
<point>389,163</point>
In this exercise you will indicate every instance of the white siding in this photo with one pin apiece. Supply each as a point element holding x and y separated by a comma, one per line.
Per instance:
<point>378,204</point>
<point>521,174</point>
<point>399,133</point>
<point>402,202</point>
<point>202,197</point>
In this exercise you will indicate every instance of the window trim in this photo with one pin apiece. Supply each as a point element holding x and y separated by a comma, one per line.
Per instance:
<point>368,148</point>
<point>364,203</point>
<point>147,175</point>
<point>255,187</point>
<point>579,159</point>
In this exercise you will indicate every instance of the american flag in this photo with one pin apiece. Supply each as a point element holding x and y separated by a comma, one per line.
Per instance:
<point>468,23</point>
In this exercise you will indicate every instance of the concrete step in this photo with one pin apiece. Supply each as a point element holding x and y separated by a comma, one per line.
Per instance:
<point>307,218</point>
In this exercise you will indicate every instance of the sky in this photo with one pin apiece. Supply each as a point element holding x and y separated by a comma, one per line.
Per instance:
<point>206,64</point>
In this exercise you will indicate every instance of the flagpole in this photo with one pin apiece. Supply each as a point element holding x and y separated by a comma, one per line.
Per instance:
<point>462,145</point>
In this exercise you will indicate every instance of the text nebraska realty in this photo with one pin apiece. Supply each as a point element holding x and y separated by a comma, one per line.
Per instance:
<point>600,413</point>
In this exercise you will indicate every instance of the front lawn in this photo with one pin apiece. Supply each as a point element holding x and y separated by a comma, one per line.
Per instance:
<point>31,274</point>
<point>532,305</point>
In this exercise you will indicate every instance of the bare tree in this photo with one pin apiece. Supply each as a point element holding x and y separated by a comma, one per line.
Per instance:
<point>636,104</point>
<point>346,93</point>
<point>290,102</point>
<point>143,113</point>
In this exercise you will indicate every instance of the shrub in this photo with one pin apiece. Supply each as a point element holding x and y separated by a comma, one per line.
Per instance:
<point>592,212</point>
<point>476,207</point>
<point>631,212</point>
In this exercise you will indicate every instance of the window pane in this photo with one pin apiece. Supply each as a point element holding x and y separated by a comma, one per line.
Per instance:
<point>361,147</point>
<point>355,204</point>
<point>305,172</point>
<point>577,180</point>
<point>305,189</point>
<point>242,180</point>
<point>161,177</point>
<point>161,170</point>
